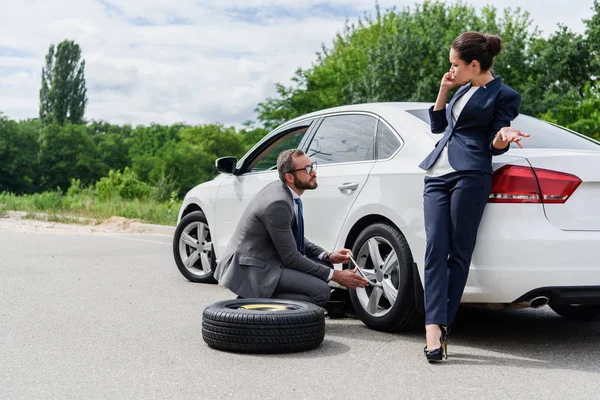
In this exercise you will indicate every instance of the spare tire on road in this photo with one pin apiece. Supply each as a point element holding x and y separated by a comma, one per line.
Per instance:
<point>263,325</point>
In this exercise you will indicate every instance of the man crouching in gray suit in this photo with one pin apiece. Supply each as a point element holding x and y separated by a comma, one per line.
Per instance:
<point>268,255</point>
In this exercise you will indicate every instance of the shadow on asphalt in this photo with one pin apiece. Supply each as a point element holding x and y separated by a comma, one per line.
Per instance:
<point>528,337</point>
<point>328,348</point>
<point>536,338</point>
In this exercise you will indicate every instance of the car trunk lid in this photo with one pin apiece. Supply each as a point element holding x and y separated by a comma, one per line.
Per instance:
<point>557,172</point>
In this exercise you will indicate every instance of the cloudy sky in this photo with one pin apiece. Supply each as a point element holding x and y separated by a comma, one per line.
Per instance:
<point>192,61</point>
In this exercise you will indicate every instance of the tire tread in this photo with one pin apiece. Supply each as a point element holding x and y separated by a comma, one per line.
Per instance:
<point>262,332</point>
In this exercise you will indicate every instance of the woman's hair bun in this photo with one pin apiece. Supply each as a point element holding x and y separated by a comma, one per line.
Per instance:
<point>478,46</point>
<point>493,44</point>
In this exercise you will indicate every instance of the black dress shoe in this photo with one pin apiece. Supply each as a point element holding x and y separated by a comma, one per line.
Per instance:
<point>434,355</point>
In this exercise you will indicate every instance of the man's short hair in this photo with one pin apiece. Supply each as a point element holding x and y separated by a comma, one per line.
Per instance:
<point>285,162</point>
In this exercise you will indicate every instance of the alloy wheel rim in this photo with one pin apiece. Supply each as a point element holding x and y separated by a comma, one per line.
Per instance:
<point>195,249</point>
<point>379,261</point>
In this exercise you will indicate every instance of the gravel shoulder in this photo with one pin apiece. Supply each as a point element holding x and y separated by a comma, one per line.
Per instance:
<point>16,221</point>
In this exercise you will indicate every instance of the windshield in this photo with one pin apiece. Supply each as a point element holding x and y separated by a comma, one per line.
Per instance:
<point>543,134</point>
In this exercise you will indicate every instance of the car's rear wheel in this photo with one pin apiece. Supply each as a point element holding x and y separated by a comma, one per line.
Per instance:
<point>384,255</point>
<point>193,249</point>
<point>577,312</point>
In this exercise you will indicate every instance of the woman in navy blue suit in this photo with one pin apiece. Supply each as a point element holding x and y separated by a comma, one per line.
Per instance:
<point>458,182</point>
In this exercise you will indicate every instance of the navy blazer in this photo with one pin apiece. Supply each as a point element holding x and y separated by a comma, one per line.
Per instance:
<point>491,107</point>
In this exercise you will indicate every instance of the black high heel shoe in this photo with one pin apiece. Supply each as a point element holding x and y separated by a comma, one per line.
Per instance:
<point>436,355</point>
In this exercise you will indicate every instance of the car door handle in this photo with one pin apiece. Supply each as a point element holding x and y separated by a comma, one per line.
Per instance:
<point>348,186</point>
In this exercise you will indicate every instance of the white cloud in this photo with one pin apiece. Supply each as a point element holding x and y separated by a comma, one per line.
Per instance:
<point>195,61</point>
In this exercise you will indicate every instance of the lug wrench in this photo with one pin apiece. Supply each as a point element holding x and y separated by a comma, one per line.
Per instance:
<point>362,273</point>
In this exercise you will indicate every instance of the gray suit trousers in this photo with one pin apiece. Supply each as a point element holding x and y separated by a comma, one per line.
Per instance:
<point>296,285</point>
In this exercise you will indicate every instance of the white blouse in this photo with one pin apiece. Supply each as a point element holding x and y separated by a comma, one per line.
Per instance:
<point>442,166</point>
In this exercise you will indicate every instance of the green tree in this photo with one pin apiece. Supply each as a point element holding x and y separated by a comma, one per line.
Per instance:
<point>559,70</point>
<point>67,152</point>
<point>251,136</point>
<point>63,92</point>
<point>397,56</point>
<point>146,143</point>
<point>593,39</point>
<point>572,98</point>
<point>113,143</point>
<point>18,156</point>
<point>579,113</point>
<point>190,159</point>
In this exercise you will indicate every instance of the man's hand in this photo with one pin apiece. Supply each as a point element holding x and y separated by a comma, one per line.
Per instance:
<point>341,256</point>
<point>508,135</point>
<point>349,279</point>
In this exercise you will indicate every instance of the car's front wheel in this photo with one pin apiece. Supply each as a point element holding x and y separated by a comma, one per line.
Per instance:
<point>193,249</point>
<point>383,254</point>
<point>577,312</point>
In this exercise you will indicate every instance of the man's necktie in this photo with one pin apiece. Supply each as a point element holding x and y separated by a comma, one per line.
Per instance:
<point>300,233</point>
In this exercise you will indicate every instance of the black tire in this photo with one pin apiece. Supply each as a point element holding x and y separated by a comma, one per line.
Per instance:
<point>264,326</point>
<point>201,271</point>
<point>576,312</point>
<point>403,315</point>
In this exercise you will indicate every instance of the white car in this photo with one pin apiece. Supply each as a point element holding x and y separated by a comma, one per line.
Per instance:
<point>537,239</point>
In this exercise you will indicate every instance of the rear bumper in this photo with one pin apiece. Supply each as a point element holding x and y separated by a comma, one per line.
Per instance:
<point>565,295</point>
<point>520,255</point>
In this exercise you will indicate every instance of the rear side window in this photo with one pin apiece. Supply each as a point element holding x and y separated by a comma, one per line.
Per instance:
<point>344,138</point>
<point>387,142</point>
<point>548,136</point>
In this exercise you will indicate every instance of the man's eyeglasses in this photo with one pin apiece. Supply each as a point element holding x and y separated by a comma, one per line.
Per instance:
<point>308,169</point>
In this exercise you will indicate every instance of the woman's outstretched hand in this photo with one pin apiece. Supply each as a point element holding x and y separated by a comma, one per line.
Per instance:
<point>508,135</point>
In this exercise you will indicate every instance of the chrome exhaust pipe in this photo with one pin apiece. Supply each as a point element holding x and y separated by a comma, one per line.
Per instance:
<point>538,302</point>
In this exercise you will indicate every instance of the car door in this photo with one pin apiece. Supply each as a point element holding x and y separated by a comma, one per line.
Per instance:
<point>343,147</point>
<point>255,171</point>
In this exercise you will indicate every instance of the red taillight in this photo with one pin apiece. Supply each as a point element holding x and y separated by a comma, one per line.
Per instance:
<point>514,184</point>
<point>517,184</point>
<point>556,187</point>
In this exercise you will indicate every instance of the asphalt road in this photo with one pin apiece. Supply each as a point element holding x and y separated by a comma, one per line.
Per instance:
<point>107,315</point>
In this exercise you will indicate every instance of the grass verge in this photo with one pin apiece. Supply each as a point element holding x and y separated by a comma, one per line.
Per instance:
<point>70,208</point>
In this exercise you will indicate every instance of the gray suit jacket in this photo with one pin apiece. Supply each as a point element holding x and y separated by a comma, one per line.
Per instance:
<point>264,243</point>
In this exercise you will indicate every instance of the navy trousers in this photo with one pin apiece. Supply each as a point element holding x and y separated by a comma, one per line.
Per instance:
<point>453,206</point>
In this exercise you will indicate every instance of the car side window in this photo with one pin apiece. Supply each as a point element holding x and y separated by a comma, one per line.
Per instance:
<point>387,142</point>
<point>343,138</point>
<point>267,159</point>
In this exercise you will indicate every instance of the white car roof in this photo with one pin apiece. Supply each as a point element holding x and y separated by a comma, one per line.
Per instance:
<point>382,109</point>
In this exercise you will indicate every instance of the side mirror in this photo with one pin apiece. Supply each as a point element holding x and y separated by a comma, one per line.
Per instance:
<point>226,165</point>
